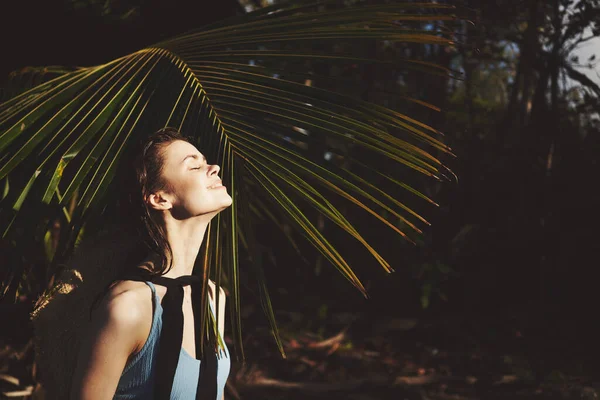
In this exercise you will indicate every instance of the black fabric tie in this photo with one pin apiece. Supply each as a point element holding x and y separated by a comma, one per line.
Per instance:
<point>171,337</point>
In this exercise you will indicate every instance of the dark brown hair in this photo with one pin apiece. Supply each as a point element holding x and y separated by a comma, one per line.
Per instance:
<point>146,178</point>
<point>139,175</point>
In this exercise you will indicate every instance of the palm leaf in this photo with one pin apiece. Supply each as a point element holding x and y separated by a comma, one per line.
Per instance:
<point>239,89</point>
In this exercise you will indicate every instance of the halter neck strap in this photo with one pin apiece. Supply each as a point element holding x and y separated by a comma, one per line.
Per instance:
<point>171,338</point>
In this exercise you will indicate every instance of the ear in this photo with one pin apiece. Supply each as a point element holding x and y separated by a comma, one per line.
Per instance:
<point>159,201</point>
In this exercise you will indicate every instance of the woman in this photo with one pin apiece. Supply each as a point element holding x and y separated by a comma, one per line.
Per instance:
<point>175,195</point>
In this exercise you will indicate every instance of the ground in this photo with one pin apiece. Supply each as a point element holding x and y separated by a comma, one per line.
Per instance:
<point>353,357</point>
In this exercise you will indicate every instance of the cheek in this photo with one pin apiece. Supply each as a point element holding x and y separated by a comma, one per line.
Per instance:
<point>194,198</point>
<point>186,192</point>
<point>195,194</point>
<point>198,198</point>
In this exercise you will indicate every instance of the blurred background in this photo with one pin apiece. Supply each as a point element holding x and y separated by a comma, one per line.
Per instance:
<point>496,300</point>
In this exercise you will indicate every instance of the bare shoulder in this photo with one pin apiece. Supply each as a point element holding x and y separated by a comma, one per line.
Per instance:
<point>130,299</point>
<point>127,308</point>
<point>119,322</point>
<point>129,288</point>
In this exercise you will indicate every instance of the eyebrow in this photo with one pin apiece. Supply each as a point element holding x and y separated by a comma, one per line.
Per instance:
<point>194,156</point>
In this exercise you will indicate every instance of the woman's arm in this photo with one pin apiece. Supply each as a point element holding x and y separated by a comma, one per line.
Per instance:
<point>221,321</point>
<point>221,305</point>
<point>112,336</point>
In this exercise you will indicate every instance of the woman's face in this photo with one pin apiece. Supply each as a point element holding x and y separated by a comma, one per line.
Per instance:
<point>193,186</point>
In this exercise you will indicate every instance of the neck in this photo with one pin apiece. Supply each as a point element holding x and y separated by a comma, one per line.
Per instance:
<point>185,238</point>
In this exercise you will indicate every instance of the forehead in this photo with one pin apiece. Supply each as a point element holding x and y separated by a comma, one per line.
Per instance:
<point>177,150</point>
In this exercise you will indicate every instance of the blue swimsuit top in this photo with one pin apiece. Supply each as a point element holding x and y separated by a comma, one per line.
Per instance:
<point>137,379</point>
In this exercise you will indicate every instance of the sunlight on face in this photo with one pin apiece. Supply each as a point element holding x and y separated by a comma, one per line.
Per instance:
<point>195,187</point>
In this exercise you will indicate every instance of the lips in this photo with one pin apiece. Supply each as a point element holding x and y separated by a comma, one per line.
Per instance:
<point>215,185</point>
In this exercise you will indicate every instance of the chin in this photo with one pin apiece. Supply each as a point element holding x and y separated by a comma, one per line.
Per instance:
<point>225,204</point>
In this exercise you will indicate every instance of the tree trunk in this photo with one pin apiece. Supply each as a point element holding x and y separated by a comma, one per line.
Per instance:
<point>518,105</point>
<point>530,53</point>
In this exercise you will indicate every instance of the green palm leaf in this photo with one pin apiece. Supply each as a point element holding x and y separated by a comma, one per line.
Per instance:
<point>239,89</point>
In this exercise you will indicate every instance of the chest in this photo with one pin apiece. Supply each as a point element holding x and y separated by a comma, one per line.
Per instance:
<point>189,339</point>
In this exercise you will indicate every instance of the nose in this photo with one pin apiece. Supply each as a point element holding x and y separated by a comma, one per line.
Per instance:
<point>214,169</point>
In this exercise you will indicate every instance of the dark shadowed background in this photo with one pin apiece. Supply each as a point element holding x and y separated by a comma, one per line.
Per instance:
<point>499,287</point>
